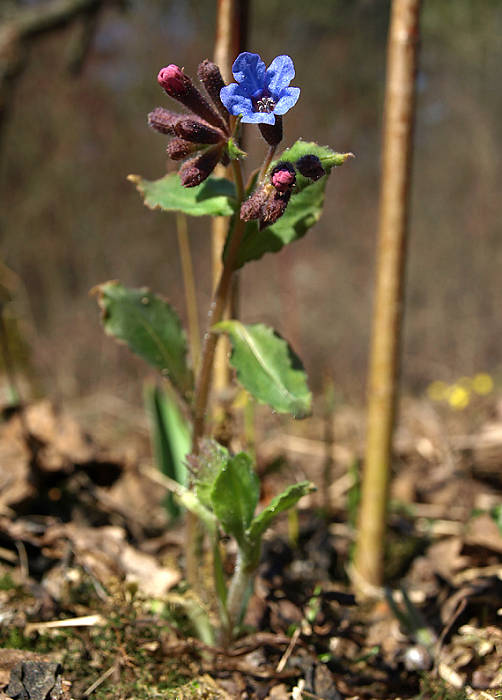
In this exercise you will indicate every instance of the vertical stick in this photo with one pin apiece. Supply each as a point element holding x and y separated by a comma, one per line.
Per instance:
<point>231,29</point>
<point>384,357</point>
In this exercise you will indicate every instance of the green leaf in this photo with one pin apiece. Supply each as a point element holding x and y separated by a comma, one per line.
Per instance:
<point>268,368</point>
<point>303,211</point>
<point>287,499</point>
<point>235,494</point>
<point>150,327</point>
<point>214,197</point>
<point>170,436</point>
<point>211,459</point>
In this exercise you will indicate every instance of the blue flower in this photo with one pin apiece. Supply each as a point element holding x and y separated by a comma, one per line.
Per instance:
<point>260,93</point>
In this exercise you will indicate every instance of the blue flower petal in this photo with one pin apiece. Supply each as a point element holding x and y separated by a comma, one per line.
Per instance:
<point>288,98</point>
<point>258,118</point>
<point>249,70</point>
<point>279,74</point>
<point>235,99</point>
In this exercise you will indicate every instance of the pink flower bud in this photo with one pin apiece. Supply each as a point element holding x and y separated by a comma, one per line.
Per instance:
<point>172,79</point>
<point>283,177</point>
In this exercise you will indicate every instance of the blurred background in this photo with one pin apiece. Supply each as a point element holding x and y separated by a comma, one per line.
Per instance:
<point>72,130</point>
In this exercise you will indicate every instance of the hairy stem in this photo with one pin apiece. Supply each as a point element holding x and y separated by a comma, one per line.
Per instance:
<point>266,162</point>
<point>237,594</point>
<point>216,312</point>
<point>189,286</point>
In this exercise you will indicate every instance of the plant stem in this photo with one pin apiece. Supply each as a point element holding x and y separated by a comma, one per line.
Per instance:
<point>384,358</point>
<point>237,594</point>
<point>266,162</point>
<point>216,312</point>
<point>189,285</point>
<point>231,31</point>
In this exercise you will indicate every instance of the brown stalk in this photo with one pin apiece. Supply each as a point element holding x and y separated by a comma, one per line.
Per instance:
<point>387,319</point>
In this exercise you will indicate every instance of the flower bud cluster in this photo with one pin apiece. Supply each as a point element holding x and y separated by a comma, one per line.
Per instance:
<point>203,133</point>
<point>270,199</point>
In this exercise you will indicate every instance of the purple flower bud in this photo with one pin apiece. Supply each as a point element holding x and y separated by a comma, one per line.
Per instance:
<point>178,149</point>
<point>310,166</point>
<point>252,207</point>
<point>272,133</point>
<point>197,131</point>
<point>197,169</point>
<point>273,209</point>
<point>210,76</point>
<point>283,176</point>
<point>163,120</point>
<point>179,86</point>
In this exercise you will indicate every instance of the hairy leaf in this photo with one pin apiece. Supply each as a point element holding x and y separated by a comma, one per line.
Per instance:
<point>303,211</point>
<point>214,197</point>
<point>287,499</point>
<point>235,495</point>
<point>150,327</point>
<point>268,368</point>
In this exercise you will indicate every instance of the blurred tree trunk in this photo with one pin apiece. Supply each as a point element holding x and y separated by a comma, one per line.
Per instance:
<point>387,316</point>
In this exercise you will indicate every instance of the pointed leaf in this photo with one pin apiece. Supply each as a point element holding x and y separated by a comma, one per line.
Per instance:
<point>150,327</point>
<point>214,197</point>
<point>235,495</point>
<point>303,211</point>
<point>268,368</point>
<point>170,436</point>
<point>287,499</point>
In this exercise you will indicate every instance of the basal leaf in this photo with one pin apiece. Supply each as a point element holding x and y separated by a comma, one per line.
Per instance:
<point>211,459</point>
<point>150,327</point>
<point>303,211</point>
<point>287,499</point>
<point>170,436</point>
<point>235,495</point>
<point>214,197</point>
<point>268,368</point>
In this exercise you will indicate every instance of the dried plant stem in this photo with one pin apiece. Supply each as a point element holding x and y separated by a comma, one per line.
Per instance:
<point>384,358</point>
<point>189,287</point>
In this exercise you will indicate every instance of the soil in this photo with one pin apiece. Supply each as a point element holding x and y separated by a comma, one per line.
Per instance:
<point>93,600</point>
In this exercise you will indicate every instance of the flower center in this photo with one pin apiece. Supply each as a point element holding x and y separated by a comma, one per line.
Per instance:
<point>265,104</point>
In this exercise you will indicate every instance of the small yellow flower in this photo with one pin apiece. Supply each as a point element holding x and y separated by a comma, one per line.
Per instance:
<point>458,397</point>
<point>482,384</point>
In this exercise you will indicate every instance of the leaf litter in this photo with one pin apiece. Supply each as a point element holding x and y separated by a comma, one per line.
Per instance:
<point>93,602</point>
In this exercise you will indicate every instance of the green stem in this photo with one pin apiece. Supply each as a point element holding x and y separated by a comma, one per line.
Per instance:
<point>216,312</point>
<point>237,593</point>
<point>189,286</point>
<point>266,162</point>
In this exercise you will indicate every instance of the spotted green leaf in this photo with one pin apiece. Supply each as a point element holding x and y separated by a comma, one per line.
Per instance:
<point>214,197</point>
<point>268,368</point>
<point>150,327</point>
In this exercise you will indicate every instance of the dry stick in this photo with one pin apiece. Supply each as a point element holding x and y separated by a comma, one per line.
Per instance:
<point>384,357</point>
<point>231,27</point>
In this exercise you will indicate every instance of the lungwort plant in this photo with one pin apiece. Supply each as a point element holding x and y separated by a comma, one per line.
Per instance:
<point>277,206</point>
